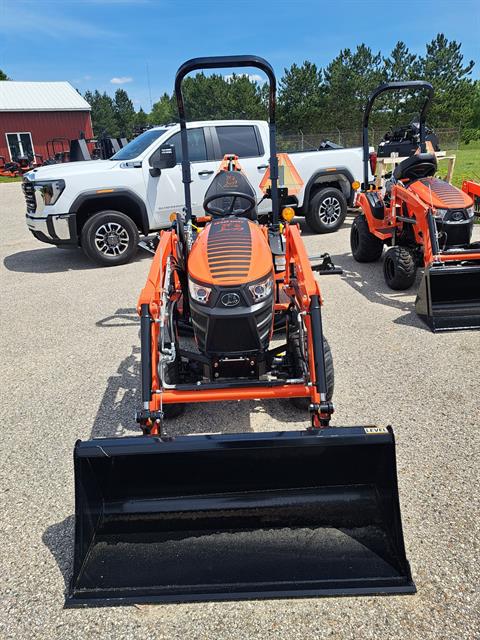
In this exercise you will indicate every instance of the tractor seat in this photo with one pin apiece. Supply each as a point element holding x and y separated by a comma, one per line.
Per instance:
<point>418,166</point>
<point>226,181</point>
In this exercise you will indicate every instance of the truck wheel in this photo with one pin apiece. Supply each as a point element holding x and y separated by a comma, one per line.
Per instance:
<point>110,238</point>
<point>364,245</point>
<point>327,210</point>
<point>303,403</point>
<point>399,268</point>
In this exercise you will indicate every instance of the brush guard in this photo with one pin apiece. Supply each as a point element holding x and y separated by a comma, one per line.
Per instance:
<point>230,517</point>
<point>449,296</point>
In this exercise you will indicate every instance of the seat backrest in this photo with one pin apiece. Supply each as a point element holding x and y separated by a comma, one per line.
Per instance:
<point>226,181</point>
<point>420,165</point>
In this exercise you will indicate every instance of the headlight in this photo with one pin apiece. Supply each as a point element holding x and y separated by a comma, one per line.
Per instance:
<point>470,212</point>
<point>440,213</point>
<point>261,290</point>
<point>199,292</point>
<point>50,190</point>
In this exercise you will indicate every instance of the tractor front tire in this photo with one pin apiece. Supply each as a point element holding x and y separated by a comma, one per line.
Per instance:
<point>326,211</point>
<point>110,238</point>
<point>174,409</point>
<point>399,268</point>
<point>364,245</point>
<point>303,403</point>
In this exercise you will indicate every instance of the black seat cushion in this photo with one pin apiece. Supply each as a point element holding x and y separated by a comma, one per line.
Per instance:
<point>226,181</point>
<point>418,166</point>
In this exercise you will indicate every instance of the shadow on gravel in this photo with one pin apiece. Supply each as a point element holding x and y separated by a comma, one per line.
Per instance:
<point>367,279</point>
<point>58,538</point>
<point>55,260</point>
<point>51,260</point>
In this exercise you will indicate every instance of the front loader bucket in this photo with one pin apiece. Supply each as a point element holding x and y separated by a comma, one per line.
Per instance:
<point>449,297</point>
<point>257,515</point>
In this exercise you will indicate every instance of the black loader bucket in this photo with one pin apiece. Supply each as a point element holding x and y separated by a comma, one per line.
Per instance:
<point>449,297</point>
<point>258,515</point>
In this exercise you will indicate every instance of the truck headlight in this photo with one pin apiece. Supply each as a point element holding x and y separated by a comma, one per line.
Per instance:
<point>261,290</point>
<point>50,190</point>
<point>199,292</point>
<point>440,213</point>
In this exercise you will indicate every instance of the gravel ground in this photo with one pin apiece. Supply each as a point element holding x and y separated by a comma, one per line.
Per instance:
<point>70,349</point>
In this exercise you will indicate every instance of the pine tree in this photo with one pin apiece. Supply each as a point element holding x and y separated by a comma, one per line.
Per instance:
<point>443,66</point>
<point>163,111</point>
<point>301,99</point>
<point>124,113</point>
<point>103,113</point>
<point>3,75</point>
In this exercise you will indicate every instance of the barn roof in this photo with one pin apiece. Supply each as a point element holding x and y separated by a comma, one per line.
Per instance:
<point>40,96</point>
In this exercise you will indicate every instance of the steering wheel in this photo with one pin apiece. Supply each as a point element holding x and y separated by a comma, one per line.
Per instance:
<point>216,212</point>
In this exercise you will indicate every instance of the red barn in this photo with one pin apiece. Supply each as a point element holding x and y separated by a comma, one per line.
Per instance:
<point>31,113</point>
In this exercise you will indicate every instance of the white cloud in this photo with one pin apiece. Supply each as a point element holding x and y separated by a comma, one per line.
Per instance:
<point>39,21</point>
<point>121,80</point>
<point>253,77</point>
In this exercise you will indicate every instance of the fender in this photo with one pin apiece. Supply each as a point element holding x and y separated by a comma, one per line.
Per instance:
<point>117,193</point>
<point>339,171</point>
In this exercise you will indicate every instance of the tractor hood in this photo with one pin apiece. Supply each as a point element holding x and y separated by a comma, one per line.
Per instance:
<point>440,194</point>
<point>63,170</point>
<point>230,251</point>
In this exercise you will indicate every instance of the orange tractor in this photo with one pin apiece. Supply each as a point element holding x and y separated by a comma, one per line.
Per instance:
<point>424,221</point>
<point>239,515</point>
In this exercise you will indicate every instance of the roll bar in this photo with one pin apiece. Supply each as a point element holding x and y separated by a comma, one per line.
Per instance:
<point>393,86</point>
<point>217,62</point>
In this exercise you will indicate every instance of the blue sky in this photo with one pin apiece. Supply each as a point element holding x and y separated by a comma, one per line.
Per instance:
<point>105,44</point>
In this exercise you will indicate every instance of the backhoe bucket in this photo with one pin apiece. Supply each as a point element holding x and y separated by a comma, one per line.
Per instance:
<point>449,297</point>
<point>257,515</point>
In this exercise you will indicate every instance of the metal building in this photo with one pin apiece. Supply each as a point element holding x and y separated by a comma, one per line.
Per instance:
<point>31,113</point>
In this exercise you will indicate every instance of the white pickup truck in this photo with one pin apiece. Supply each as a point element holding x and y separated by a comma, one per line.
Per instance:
<point>104,206</point>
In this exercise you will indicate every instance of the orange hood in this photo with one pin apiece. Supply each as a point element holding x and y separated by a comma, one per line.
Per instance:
<point>440,194</point>
<point>230,251</point>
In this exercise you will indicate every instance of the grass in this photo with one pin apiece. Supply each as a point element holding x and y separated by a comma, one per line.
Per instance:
<point>6,179</point>
<point>467,165</point>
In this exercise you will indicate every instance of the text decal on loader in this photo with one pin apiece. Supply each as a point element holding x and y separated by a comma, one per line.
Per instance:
<point>375,430</point>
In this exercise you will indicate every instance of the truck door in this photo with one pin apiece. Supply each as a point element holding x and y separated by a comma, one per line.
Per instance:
<point>165,193</point>
<point>245,141</point>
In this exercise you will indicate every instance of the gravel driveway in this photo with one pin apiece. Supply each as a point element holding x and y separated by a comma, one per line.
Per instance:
<point>70,351</point>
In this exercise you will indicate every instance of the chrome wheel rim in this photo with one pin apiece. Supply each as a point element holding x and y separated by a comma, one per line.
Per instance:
<point>330,210</point>
<point>111,239</point>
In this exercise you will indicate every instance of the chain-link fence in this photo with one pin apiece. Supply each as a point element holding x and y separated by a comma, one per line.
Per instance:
<point>449,139</point>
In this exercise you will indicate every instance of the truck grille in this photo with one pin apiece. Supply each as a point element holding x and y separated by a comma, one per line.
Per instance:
<point>29,193</point>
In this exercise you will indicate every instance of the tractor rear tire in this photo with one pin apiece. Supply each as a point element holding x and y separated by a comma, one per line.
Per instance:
<point>303,403</point>
<point>399,268</point>
<point>364,245</point>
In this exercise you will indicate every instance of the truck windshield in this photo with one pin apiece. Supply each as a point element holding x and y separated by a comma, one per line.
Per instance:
<point>138,145</point>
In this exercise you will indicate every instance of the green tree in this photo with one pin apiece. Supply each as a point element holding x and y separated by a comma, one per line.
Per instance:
<point>244,98</point>
<point>401,64</point>
<point>444,67</point>
<point>140,119</point>
<point>103,113</point>
<point>301,99</point>
<point>163,111</point>
<point>124,113</point>
<point>3,75</point>
<point>349,80</point>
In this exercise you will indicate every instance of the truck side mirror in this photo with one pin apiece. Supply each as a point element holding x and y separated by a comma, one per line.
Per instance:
<point>164,158</point>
